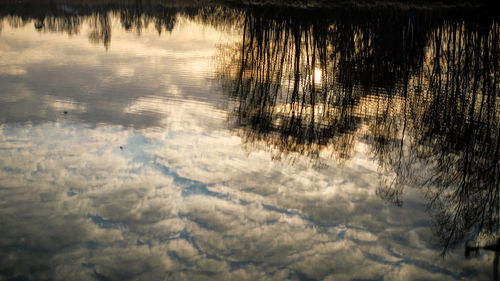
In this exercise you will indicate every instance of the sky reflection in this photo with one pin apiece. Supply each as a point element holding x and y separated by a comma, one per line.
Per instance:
<point>97,86</point>
<point>136,159</point>
<point>159,207</point>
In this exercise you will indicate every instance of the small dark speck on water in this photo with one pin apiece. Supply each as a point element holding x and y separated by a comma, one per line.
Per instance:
<point>65,112</point>
<point>121,147</point>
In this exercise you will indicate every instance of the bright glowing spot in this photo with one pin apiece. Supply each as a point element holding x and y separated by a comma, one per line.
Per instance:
<point>318,76</point>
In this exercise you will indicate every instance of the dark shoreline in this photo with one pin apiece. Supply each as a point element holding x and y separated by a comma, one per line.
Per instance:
<point>328,4</point>
<point>300,4</point>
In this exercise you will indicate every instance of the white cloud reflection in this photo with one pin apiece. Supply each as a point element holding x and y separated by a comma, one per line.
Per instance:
<point>182,200</point>
<point>183,204</point>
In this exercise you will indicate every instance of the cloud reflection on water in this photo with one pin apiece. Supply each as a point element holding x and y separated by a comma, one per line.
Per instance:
<point>102,86</point>
<point>158,206</point>
<point>182,200</point>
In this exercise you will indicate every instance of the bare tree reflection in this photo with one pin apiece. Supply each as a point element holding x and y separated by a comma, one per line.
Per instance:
<point>452,133</point>
<point>421,91</point>
<point>458,130</point>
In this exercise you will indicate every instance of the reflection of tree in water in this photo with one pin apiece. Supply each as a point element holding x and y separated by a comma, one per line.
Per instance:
<point>456,130</point>
<point>133,16</point>
<point>139,16</point>
<point>422,94</point>
<point>298,90</point>
<point>100,29</point>
<point>449,134</point>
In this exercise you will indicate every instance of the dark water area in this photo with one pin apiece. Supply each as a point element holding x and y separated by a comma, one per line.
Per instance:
<point>190,141</point>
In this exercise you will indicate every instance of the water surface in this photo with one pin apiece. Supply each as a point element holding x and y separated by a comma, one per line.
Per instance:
<point>178,142</point>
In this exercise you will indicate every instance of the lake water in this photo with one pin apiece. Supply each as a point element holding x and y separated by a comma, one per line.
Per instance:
<point>148,141</point>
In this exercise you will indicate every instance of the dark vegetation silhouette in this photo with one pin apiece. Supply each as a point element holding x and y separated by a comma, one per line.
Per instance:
<point>134,16</point>
<point>419,89</point>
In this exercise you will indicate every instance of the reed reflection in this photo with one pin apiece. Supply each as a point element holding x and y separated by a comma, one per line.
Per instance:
<point>420,89</point>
